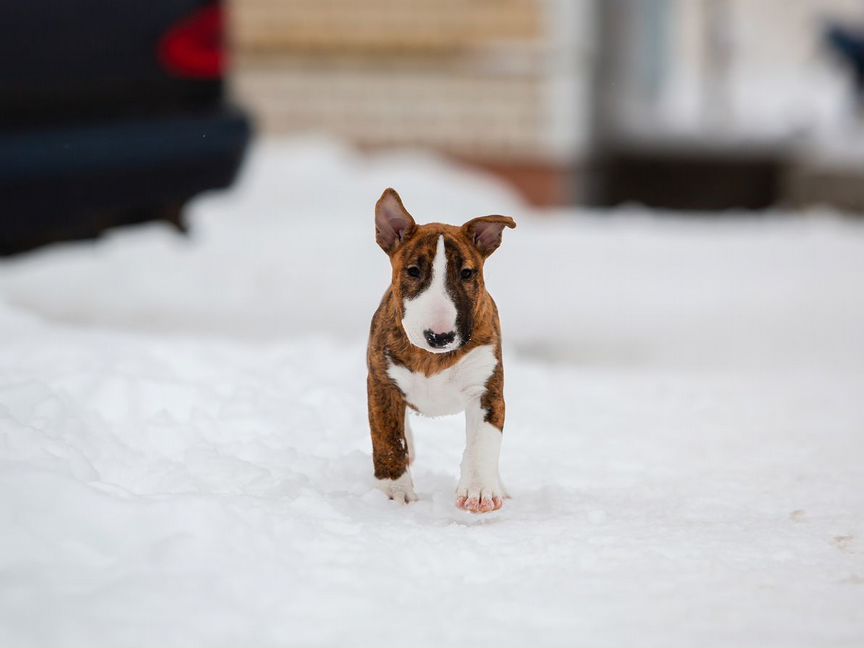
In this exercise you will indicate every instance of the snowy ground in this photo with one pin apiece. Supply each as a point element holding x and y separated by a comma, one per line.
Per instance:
<point>184,457</point>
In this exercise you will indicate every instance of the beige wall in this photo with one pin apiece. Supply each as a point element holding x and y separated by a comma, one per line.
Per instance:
<point>511,79</point>
<point>480,78</point>
<point>382,25</point>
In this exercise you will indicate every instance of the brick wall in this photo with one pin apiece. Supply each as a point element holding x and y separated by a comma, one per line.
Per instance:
<point>381,25</point>
<point>476,78</point>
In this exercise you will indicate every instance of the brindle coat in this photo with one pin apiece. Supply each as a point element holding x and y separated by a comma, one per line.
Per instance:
<point>467,248</point>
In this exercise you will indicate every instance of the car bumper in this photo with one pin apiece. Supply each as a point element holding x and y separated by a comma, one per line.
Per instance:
<point>65,182</point>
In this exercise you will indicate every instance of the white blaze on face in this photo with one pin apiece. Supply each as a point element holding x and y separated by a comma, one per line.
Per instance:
<point>433,309</point>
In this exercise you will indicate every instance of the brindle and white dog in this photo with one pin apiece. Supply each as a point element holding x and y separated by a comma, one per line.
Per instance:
<point>435,347</point>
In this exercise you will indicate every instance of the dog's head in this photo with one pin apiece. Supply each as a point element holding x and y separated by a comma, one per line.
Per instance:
<point>437,271</point>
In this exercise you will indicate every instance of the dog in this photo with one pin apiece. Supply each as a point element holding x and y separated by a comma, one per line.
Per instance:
<point>435,348</point>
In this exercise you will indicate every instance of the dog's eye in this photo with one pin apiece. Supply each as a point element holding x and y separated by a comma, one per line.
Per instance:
<point>413,271</point>
<point>467,273</point>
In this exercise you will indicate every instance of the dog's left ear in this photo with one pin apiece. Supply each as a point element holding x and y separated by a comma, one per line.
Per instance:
<point>485,232</point>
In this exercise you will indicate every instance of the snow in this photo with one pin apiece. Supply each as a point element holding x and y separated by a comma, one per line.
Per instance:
<point>184,457</point>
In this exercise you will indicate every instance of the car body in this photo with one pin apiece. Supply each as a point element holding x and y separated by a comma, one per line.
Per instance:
<point>111,112</point>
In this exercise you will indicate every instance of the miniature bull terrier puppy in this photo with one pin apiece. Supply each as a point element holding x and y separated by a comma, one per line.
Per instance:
<point>435,348</point>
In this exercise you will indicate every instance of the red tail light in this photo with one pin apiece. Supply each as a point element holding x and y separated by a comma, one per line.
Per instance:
<point>194,47</point>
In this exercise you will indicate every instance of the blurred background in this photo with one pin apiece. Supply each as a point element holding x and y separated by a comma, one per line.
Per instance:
<point>124,112</point>
<point>189,269</point>
<point>700,104</point>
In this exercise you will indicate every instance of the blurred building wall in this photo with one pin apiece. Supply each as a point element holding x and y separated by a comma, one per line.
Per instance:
<point>512,84</point>
<point>758,67</point>
<point>501,82</point>
<point>742,94</point>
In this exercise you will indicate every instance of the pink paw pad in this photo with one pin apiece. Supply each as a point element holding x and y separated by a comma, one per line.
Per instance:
<point>479,505</point>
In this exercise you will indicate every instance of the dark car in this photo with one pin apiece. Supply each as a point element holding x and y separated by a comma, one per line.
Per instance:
<point>111,112</point>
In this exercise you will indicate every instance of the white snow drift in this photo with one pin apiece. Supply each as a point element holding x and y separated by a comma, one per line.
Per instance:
<point>184,457</point>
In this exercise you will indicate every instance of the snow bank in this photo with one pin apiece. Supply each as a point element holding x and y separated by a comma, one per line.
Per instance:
<point>184,456</point>
<point>292,253</point>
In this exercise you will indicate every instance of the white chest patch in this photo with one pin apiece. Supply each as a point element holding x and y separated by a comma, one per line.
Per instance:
<point>450,391</point>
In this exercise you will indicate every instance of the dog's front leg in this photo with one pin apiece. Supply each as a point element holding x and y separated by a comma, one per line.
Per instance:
<point>479,489</point>
<point>390,452</point>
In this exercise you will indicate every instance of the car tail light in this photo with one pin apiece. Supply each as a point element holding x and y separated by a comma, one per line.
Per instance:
<point>194,48</point>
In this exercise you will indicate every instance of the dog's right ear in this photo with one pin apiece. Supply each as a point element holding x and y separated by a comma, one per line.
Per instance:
<point>393,223</point>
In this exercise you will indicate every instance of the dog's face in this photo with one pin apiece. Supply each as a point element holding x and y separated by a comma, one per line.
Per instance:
<point>437,271</point>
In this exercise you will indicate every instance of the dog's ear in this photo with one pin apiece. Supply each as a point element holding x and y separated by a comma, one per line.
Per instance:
<point>485,232</point>
<point>393,223</point>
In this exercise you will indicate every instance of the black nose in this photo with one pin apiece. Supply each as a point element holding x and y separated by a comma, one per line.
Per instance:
<point>438,340</point>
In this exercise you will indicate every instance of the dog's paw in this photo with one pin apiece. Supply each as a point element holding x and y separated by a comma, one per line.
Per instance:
<point>399,490</point>
<point>479,497</point>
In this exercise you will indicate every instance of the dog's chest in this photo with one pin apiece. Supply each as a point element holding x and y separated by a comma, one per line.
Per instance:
<point>450,391</point>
